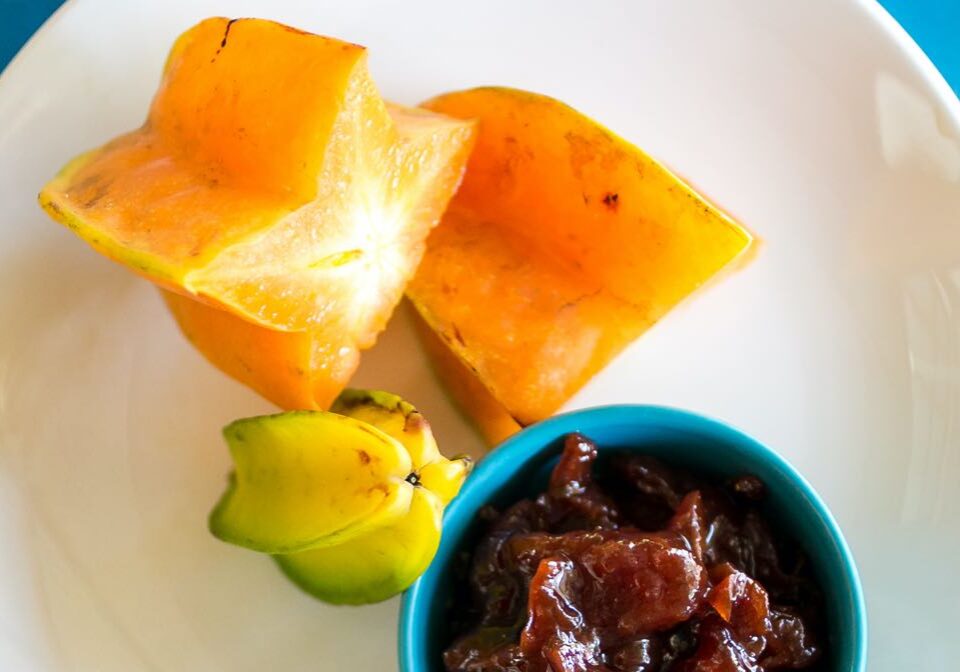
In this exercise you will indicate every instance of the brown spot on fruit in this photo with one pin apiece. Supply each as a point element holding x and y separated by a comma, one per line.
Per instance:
<point>612,201</point>
<point>223,42</point>
<point>226,33</point>
<point>364,457</point>
<point>99,192</point>
<point>413,423</point>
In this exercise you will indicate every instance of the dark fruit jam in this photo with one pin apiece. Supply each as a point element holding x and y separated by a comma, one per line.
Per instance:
<point>643,568</point>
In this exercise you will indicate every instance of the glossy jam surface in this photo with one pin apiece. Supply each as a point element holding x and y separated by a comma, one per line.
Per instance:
<point>640,568</point>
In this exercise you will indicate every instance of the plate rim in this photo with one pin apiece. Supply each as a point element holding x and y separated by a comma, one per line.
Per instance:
<point>947,101</point>
<point>871,9</point>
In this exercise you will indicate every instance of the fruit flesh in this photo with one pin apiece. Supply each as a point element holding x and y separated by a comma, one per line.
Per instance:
<point>551,331</point>
<point>196,178</point>
<point>563,244</point>
<point>307,479</point>
<point>340,263</point>
<point>270,180</point>
<point>307,369</point>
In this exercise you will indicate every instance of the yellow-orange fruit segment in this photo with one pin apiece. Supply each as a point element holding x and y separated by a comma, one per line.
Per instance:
<point>293,369</point>
<point>308,369</point>
<point>270,180</point>
<point>564,243</point>
<point>487,414</point>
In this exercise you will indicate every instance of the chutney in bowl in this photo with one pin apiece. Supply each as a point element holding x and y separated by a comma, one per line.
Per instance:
<point>693,548</point>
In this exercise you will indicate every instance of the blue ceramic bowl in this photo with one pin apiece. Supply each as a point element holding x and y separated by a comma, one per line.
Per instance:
<point>520,466</point>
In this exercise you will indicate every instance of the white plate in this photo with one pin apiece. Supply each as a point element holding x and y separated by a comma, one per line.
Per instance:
<point>818,123</point>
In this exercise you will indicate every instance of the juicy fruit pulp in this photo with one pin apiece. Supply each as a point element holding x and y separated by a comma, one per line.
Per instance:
<point>349,503</point>
<point>563,244</point>
<point>270,180</point>
<point>643,569</point>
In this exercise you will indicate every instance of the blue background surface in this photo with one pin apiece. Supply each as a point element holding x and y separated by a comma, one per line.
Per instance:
<point>934,24</point>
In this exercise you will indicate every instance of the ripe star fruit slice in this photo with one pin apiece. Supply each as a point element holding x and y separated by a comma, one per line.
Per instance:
<point>386,560</point>
<point>301,474</point>
<point>270,180</point>
<point>307,369</point>
<point>563,244</point>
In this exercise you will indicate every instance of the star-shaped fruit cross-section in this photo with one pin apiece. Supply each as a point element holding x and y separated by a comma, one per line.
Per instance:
<point>270,180</point>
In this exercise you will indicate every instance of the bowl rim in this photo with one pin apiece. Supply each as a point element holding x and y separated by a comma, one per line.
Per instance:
<point>503,459</point>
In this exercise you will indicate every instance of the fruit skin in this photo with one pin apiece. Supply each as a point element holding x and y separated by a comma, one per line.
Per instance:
<point>271,181</point>
<point>294,370</point>
<point>388,559</point>
<point>309,478</point>
<point>563,244</point>
<point>398,418</point>
<point>480,406</point>
<point>306,488</point>
<point>394,416</point>
<point>444,477</point>
<point>376,566</point>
